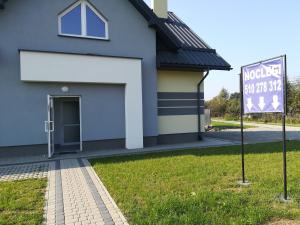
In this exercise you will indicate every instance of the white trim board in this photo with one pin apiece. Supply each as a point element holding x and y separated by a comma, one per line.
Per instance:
<point>69,68</point>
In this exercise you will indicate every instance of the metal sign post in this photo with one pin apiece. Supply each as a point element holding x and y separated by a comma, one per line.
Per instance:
<point>263,90</point>
<point>285,193</point>
<point>243,182</point>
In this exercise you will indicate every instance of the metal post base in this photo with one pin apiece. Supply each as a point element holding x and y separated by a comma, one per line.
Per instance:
<point>245,184</point>
<point>283,200</point>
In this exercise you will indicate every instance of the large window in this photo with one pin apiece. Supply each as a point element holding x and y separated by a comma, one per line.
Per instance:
<point>83,20</point>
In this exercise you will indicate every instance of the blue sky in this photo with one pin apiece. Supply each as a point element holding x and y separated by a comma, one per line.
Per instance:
<point>243,32</point>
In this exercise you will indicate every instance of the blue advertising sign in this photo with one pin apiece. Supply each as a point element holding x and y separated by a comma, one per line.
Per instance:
<point>264,86</point>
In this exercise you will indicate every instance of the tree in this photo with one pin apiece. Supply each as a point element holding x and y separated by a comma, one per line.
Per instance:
<point>223,95</point>
<point>228,105</point>
<point>235,95</point>
<point>293,97</point>
<point>218,104</point>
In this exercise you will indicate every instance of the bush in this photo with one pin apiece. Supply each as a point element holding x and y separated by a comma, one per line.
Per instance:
<point>228,116</point>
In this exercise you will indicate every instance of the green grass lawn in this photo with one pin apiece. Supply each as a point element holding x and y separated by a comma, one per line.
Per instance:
<point>217,125</point>
<point>288,123</point>
<point>272,123</point>
<point>22,202</point>
<point>199,187</point>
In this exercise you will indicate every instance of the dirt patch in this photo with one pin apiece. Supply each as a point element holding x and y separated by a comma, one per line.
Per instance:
<point>283,222</point>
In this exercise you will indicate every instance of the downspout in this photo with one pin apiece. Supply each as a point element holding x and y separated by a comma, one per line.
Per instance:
<point>199,104</point>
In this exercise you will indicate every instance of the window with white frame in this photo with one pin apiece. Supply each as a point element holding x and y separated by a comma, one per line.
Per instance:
<point>83,20</point>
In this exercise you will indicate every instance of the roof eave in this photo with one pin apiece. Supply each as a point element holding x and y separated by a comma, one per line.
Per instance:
<point>193,67</point>
<point>143,8</point>
<point>156,23</point>
<point>2,4</point>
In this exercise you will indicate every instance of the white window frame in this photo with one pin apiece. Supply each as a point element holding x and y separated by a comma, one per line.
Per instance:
<point>83,4</point>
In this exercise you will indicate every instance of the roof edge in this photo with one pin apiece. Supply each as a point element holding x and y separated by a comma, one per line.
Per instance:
<point>2,2</point>
<point>144,9</point>
<point>156,22</point>
<point>192,67</point>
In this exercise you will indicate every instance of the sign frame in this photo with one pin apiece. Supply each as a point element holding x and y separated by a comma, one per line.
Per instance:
<point>242,113</point>
<point>283,85</point>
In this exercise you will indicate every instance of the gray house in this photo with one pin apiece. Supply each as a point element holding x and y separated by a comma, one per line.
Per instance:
<point>92,74</point>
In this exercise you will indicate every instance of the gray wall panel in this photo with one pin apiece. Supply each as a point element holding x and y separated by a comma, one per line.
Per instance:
<point>179,111</point>
<point>178,103</point>
<point>98,101</point>
<point>179,95</point>
<point>32,24</point>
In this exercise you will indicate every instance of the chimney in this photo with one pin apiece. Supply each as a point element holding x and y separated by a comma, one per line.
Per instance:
<point>160,8</point>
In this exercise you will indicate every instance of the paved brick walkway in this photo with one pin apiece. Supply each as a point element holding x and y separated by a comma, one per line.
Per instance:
<point>75,195</point>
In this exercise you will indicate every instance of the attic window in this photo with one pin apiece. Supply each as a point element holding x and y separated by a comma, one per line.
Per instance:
<point>83,20</point>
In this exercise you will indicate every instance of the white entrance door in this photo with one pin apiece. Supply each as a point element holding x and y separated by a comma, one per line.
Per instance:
<point>49,126</point>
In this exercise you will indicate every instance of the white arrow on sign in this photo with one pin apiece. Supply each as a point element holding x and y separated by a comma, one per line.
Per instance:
<point>275,102</point>
<point>261,103</point>
<point>249,104</point>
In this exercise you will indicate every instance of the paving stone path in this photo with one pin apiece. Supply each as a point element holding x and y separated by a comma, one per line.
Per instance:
<point>23,172</point>
<point>75,195</point>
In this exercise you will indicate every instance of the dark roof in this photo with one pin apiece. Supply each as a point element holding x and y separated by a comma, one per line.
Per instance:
<point>191,59</point>
<point>2,3</point>
<point>187,38</point>
<point>193,53</point>
<point>162,32</point>
<point>182,47</point>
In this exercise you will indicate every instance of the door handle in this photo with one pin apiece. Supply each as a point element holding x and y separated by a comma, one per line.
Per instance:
<point>46,127</point>
<point>49,126</point>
